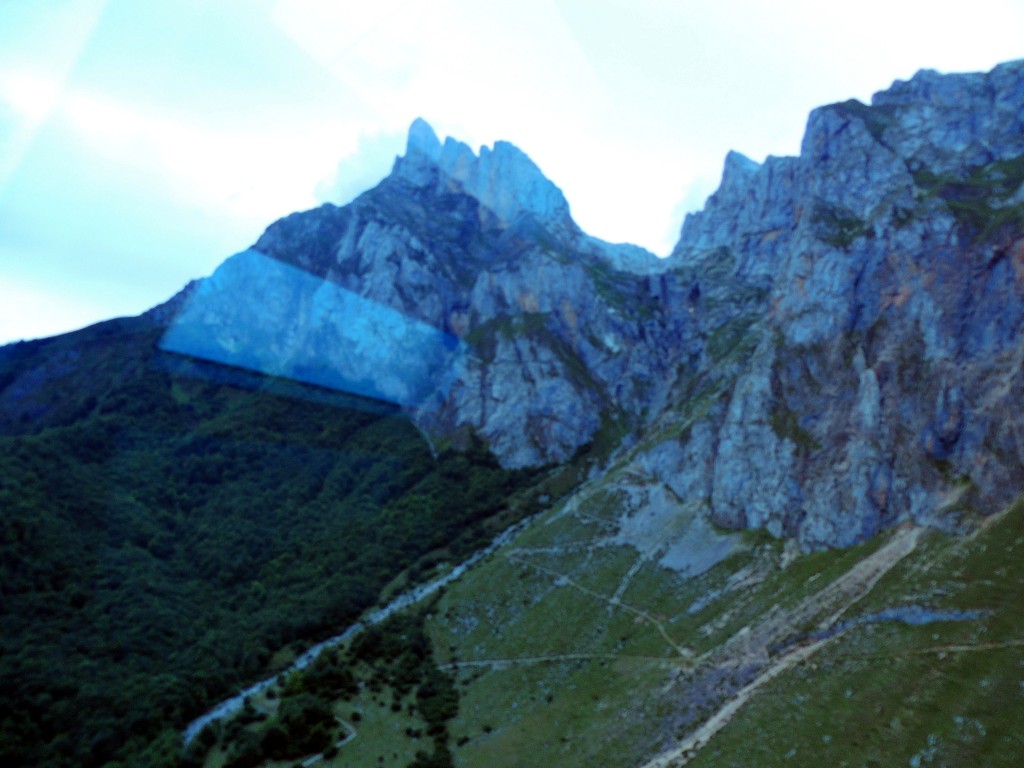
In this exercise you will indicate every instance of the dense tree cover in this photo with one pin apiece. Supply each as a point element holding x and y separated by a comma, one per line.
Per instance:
<point>396,654</point>
<point>163,533</point>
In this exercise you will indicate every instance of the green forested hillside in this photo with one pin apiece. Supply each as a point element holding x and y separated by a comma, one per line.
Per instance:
<point>165,531</point>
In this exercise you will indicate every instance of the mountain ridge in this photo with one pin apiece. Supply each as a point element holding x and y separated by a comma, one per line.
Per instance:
<point>853,253</point>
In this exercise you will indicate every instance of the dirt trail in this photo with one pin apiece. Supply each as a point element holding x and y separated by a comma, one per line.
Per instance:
<point>935,650</point>
<point>752,645</point>
<point>624,584</point>
<point>350,734</point>
<point>562,579</point>
<point>516,661</point>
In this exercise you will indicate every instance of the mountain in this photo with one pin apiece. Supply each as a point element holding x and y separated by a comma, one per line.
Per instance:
<point>540,323</point>
<point>856,306</point>
<point>792,442</point>
<point>887,342</point>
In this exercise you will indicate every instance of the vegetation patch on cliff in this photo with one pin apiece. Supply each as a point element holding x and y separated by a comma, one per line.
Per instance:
<point>981,200</point>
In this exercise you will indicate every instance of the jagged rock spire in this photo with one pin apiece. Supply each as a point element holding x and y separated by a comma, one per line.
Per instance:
<point>503,178</point>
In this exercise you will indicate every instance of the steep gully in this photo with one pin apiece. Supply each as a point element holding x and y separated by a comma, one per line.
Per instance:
<point>842,593</point>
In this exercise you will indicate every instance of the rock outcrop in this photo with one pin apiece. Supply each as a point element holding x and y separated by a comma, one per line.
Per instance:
<point>555,335</point>
<point>834,345</point>
<point>887,349</point>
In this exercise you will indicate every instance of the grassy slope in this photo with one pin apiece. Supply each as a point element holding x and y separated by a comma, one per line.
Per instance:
<point>568,650</point>
<point>948,693</point>
<point>551,673</point>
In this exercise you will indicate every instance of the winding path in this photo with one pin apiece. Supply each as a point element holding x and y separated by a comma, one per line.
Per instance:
<point>515,661</point>
<point>564,580</point>
<point>350,735</point>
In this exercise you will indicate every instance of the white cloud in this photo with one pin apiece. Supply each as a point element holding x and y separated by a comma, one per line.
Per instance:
<point>31,96</point>
<point>363,168</point>
<point>628,105</point>
<point>33,309</point>
<point>253,175</point>
<point>38,52</point>
<point>629,108</point>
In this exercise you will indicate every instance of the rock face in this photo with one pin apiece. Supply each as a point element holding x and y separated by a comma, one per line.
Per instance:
<point>552,339</point>
<point>887,348</point>
<point>834,345</point>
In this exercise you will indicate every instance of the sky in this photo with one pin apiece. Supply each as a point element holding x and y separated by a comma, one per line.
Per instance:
<point>141,143</point>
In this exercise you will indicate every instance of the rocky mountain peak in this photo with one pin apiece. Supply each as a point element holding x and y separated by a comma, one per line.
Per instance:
<point>738,169</point>
<point>848,307</point>
<point>951,123</point>
<point>502,178</point>
<point>422,140</point>
<point>930,87</point>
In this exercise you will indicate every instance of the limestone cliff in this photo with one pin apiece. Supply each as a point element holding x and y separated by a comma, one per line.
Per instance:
<point>885,355</point>
<point>834,345</point>
<point>548,340</point>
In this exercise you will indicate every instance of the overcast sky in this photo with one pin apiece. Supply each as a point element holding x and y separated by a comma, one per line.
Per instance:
<point>141,143</point>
